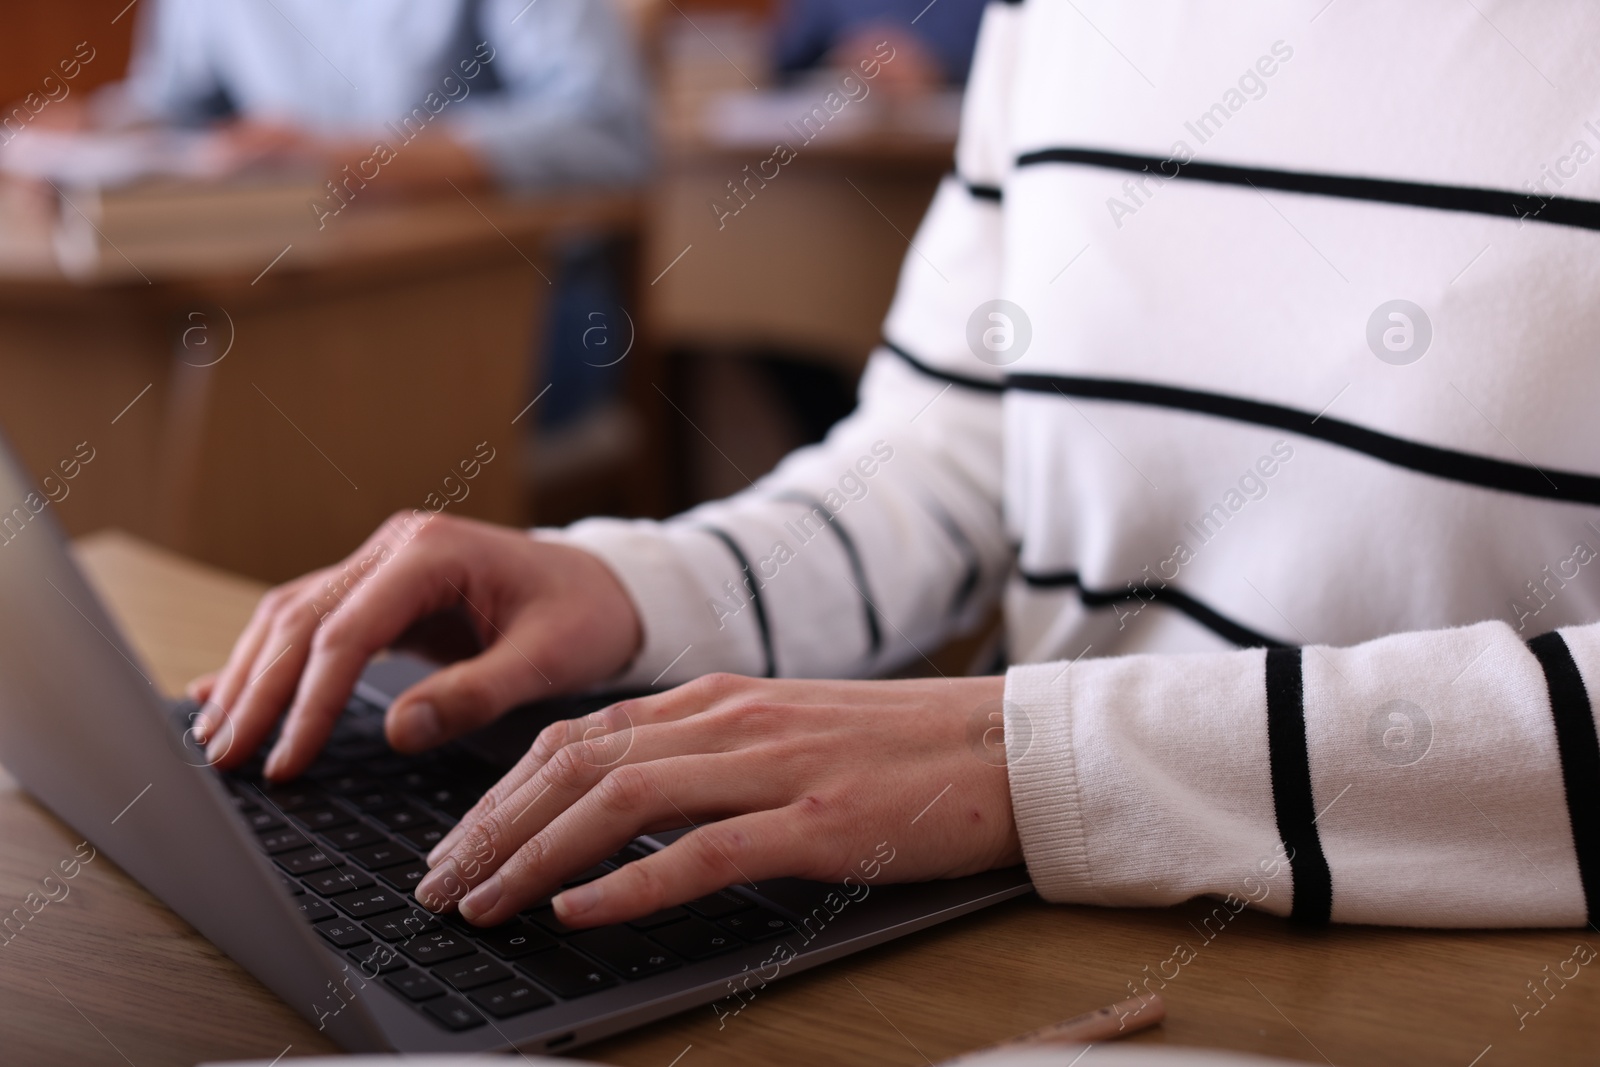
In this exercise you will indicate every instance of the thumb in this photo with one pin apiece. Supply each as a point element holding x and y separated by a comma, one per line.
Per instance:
<point>461,698</point>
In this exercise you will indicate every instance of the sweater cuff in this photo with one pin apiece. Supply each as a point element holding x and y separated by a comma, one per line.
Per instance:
<point>1045,800</point>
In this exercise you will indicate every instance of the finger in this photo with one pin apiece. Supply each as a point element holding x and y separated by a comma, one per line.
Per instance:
<point>409,584</point>
<point>467,695</point>
<point>235,672</point>
<point>610,733</point>
<point>632,799</point>
<point>775,843</point>
<point>267,689</point>
<point>199,689</point>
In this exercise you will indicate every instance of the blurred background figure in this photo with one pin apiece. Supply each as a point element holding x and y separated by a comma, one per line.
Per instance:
<point>933,42</point>
<point>465,93</point>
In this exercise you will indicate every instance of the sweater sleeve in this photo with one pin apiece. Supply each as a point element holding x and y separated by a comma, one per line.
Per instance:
<point>1447,778</point>
<point>869,549</point>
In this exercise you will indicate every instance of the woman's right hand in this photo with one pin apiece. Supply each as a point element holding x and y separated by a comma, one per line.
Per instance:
<point>550,619</point>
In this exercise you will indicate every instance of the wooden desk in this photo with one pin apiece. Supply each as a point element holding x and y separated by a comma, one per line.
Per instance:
<point>366,363</point>
<point>809,263</point>
<point>138,978</point>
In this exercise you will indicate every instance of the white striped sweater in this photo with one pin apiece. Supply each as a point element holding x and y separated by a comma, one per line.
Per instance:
<point>1274,551</point>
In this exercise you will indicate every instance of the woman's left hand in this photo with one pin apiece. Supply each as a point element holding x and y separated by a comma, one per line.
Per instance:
<point>781,778</point>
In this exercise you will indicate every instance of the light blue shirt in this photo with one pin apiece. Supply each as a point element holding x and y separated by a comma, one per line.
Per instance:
<point>562,100</point>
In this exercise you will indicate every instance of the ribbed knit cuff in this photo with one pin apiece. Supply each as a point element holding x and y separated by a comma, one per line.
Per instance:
<point>1044,783</point>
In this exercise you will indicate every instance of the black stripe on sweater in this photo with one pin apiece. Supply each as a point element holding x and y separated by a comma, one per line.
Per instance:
<point>1444,463</point>
<point>1580,757</point>
<point>753,584</point>
<point>984,385</point>
<point>1291,787</point>
<point>874,632</point>
<point>1208,617</point>
<point>1501,203</point>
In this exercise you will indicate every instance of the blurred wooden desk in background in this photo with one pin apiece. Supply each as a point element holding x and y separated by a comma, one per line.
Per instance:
<point>364,362</point>
<point>109,976</point>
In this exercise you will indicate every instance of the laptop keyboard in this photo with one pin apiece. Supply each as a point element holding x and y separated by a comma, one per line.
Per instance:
<point>349,840</point>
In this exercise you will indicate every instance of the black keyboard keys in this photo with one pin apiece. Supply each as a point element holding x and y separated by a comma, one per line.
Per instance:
<point>304,861</point>
<point>371,902</point>
<point>345,933</point>
<point>339,880</point>
<point>629,954</point>
<point>402,818</point>
<point>659,918</point>
<point>422,838</point>
<point>405,878</point>
<point>515,939</point>
<point>435,948</point>
<point>506,999</point>
<point>315,910</point>
<point>454,1014</point>
<point>382,855</point>
<point>353,836</point>
<point>758,924</point>
<point>398,926</point>
<point>565,973</point>
<point>275,842</point>
<point>470,972</point>
<point>321,817</point>
<point>414,985</point>
<point>718,905</point>
<point>696,939</point>
<point>377,959</point>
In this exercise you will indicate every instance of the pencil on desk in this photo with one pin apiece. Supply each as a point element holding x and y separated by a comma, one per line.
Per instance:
<point>1115,1020</point>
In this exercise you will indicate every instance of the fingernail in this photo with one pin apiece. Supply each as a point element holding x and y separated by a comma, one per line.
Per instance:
<point>577,901</point>
<point>420,726</point>
<point>433,891</point>
<point>482,899</point>
<point>219,744</point>
<point>276,759</point>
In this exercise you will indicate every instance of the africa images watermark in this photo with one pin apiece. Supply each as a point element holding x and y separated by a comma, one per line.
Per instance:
<point>452,90</point>
<point>52,90</point>
<point>809,929</point>
<point>56,489</point>
<point>850,90</point>
<point>14,923</point>
<point>1251,86</point>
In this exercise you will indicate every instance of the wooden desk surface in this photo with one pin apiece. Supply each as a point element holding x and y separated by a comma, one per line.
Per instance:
<point>110,976</point>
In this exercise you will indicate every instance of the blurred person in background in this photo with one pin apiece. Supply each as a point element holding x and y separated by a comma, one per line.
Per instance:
<point>469,93</point>
<point>933,42</point>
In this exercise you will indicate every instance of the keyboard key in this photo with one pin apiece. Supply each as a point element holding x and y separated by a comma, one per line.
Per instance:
<point>718,905</point>
<point>546,917</point>
<point>470,972</point>
<point>565,973</point>
<point>377,959</point>
<point>659,918</point>
<point>294,887</point>
<point>435,948</point>
<point>454,1014</point>
<point>345,784</point>
<point>696,939</point>
<point>353,836</point>
<point>629,954</point>
<point>414,985</point>
<point>397,926</point>
<point>305,861</point>
<point>599,870</point>
<point>402,818</point>
<point>285,840</point>
<point>423,838</point>
<point>515,939</point>
<point>321,817</point>
<point>342,932</point>
<point>261,821</point>
<point>506,999</point>
<point>382,855</point>
<point>405,878</point>
<point>758,924</point>
<point>292,797</point>
<point>628,855</point>
<point>370,800</point>
<point>315,910</point>
<point>371,902</point>
<point>339,880</point>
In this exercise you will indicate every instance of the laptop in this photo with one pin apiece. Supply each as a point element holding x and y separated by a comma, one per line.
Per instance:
<point>308,884</point>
